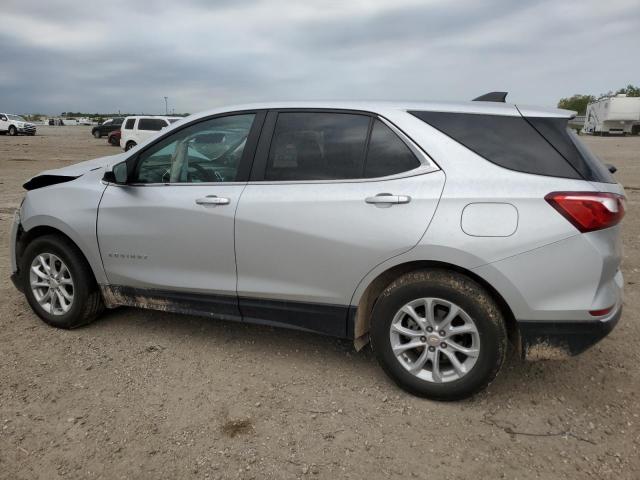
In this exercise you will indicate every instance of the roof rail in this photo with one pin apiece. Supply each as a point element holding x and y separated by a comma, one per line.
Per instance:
<point>492,97</point>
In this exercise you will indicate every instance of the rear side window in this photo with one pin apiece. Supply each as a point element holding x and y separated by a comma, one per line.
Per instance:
<point>151,124</point>
<point>130,123</point>
<point>569,145</point>
<point>508,141</point>
<point>387,153</point>
<point>317,146</point>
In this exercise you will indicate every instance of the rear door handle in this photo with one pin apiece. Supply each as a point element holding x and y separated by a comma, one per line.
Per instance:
<point>213,200</point>
<point>387,199</point>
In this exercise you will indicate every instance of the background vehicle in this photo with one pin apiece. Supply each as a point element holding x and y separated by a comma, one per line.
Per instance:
<point>137,129</point>
<point>619,115</point>
<point>15,124</point>
<point>114,138</point>
<point>336,218</point>
<point>107,127</point>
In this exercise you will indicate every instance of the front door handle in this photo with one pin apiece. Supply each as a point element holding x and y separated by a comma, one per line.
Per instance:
<point>213,200</point>
<point>387,199</point>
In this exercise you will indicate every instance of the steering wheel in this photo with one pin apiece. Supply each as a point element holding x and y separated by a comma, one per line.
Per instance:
<point>206,175</point>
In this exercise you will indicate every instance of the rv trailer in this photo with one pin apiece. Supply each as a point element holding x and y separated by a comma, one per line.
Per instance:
<point>619,115</point>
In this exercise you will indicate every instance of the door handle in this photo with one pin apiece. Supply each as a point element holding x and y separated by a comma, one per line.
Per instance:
<point>387,199</point>
<point>213,200</point>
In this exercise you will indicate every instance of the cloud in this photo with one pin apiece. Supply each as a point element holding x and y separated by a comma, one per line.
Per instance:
<point>67,55</point>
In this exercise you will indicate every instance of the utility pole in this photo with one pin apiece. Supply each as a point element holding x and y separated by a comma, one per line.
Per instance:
<point>166,106</point>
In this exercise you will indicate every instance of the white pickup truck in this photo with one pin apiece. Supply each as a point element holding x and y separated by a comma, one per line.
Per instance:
<point>15,124</point>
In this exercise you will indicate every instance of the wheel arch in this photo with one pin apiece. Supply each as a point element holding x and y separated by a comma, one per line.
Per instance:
<point>25,237</point>
<point>362,320</point>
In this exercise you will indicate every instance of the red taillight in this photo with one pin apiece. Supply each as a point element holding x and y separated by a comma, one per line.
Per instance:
<point>588,211</point>
<point>599,313</point>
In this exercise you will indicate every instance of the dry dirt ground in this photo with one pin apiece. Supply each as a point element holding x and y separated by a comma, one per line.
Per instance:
<point>142,394</point>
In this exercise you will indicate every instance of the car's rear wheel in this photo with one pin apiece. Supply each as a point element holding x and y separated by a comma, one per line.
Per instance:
<point>97,134</point>
<point>13,130</point>
<point>58,283</point>
<point>129,146</point>
<point>438,334</point>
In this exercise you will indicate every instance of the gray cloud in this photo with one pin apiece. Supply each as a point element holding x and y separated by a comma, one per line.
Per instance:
<point>67,55</point>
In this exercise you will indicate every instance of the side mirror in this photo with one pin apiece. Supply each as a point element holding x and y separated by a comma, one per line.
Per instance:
<point>118,174</point>
<point>611,168</point>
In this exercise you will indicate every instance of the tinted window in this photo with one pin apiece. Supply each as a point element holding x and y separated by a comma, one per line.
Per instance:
<point>118,121</point>
<point>173,120</point>
<point>130,123</point>
<point>508,141</point>
<point>317,146</point>
<point>208,151</point>
<point>151,124</point>
<point>387,153</point>
<point>107,122</point>
<point>567,143</point>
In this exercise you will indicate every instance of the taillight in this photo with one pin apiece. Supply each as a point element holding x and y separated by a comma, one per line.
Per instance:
<point>588,211</point>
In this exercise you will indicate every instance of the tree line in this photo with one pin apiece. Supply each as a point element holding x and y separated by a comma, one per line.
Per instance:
<point>579,102</point>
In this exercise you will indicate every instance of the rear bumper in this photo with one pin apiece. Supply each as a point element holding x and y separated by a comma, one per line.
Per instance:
<point>544,340</point>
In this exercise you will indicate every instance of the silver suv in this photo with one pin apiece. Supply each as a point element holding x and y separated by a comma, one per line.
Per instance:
<point>435,231</point>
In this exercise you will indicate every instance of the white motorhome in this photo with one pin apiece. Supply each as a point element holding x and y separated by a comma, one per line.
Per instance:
<point>619,115</point>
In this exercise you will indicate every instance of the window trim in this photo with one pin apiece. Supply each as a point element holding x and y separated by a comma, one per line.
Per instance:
<point>258,172</point>
<point>244,168</point>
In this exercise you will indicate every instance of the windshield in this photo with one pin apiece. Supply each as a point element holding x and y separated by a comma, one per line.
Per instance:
<point>16,117</point>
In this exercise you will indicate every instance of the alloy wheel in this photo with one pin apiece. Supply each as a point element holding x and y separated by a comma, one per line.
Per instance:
<point>435,340</point>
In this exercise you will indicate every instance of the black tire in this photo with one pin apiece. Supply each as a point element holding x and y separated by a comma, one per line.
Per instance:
<point>87,300</point>
<point>12,131</point>
<point>113,141</point>
<point>97,133</point>
<point>129,146</point>
<point>467,294</point>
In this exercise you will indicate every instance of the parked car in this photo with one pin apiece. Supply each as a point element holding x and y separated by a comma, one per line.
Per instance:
<point>15,125</point>
<point>114,138</point>
<point>137,129</point>
<point>336,218</point>
<point>106,127</point>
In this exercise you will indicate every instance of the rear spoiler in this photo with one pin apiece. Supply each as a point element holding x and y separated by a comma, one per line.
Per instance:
<point>492,97</point>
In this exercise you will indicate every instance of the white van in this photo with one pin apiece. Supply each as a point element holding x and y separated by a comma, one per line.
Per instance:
<point>137,129</point>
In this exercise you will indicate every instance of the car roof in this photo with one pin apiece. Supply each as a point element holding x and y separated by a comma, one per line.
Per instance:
<point>380,107</point>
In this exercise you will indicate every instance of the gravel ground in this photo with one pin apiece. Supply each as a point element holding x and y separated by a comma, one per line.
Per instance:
<point>142,394</point>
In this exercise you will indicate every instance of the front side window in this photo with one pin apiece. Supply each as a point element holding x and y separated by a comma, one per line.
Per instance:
<point>387,153</point>
<point>130,123</point>
<point>154,124</point>
<point>2,117</point>
<point>317,146</point>
<point>208,151</point>
<point>107,122</point>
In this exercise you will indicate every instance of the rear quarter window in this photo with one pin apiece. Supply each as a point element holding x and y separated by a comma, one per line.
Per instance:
<point>508,141</point>
<point>130,123</point>
<point>154,124</point>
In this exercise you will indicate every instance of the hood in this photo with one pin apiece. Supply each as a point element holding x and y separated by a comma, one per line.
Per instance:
<point>71,172</point>
<point>81,168</point>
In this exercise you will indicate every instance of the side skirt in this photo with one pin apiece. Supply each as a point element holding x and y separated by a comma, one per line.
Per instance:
<point>326,319</point>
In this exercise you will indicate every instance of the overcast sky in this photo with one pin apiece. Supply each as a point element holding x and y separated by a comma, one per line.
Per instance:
<point>126,55</point>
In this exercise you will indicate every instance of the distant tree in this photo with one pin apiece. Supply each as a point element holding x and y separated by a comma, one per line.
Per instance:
<point>577,103</point>
<point>630,91</point>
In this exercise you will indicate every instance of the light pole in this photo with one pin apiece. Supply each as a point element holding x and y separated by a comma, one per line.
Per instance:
<point>166,108</point>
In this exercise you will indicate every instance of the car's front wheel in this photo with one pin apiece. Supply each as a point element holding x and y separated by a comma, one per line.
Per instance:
<point>438,334</point>
<point>58,283</point>
<point>13,130</point>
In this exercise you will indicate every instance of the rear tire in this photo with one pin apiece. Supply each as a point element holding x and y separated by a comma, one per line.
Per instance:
<point>472,311</point>
<point>67,270</point>
<point>129,146</point>
<point>97,134</point>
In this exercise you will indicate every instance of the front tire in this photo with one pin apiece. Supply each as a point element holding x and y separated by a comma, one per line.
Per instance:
<point>13,131</point>
<point>59,284</point>
<point>438,334</point>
